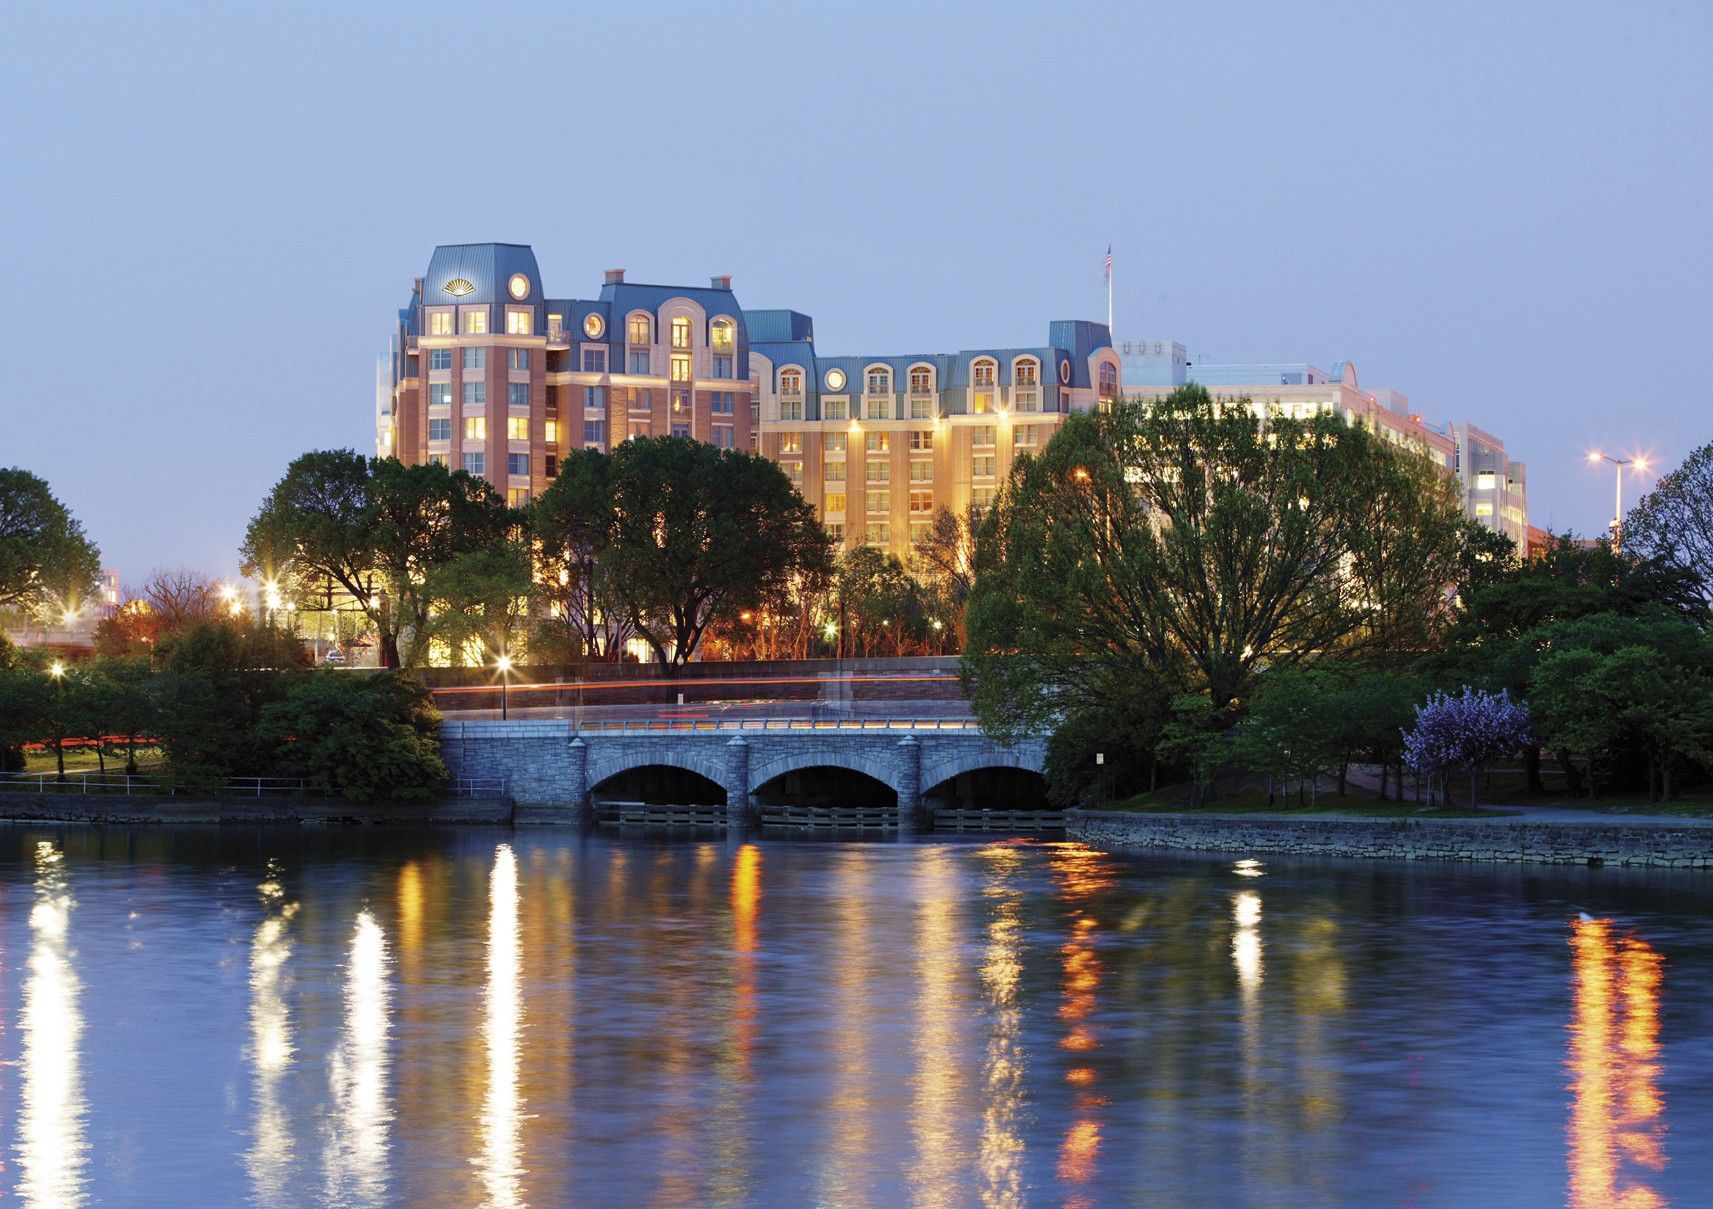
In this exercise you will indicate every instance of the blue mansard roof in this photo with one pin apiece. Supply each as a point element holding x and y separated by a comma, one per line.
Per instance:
<point>486,267</point>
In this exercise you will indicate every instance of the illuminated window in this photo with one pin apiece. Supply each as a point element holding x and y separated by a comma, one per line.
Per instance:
<point>440,395</point>
<point>680,368</point>
<point>517,497</point>
<point>639,330</point>
<point>551,433</point>
<point>1027,373</point>
<point>517,394</point>
<point>517,428</point>
<point>475,428</point>
<point>680,401</point>
<point>921,471</point>
<point>921,501</point>
<point>835,501</point>
<point>878,533</point>
<point>921,409</point>
<point>791,382</point>
<point>439,358</point>
<point>637,428</point>
<point>981,497</point>
<point>640,399</point>
<point>835,442</point>
<point>879,381</point>
<point>437,459</point>
<point>440,430</point>
<point>833,472</point>
<point>519,323</point>
<point>1483,509</point>
<point>475,358</point>
<point>836,532</point>
<point>790,442</point>
<point>476,323</point>
<point>793,471</point>
<point>880,501</point>
<point>475,394</point>
<point>921,380</point>
<point>722,335</point>
<point>982,434</point>
<point>517,464</point>
<point>519,358</point>
<point>879,442</point>
<point>879,472</point>
<point>1486,480</point>
<point>681,331</point>
<point>920,532</point>
<point>440,323</point>
<point>835,409</point>
<point>475,463</point>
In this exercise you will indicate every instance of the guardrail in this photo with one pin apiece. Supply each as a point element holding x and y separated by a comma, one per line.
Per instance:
<point>247,787</point>
<point>666,725</point>
<point>477,787</point>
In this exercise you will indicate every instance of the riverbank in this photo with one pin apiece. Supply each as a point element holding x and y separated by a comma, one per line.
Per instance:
<point>1518,838</point>
<point>163,808</point>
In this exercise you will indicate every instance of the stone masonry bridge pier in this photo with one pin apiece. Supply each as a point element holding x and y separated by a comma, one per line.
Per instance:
<point>550,763</point>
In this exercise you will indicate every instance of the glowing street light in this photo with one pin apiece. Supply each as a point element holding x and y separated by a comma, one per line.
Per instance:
<point>504,664</point>
<point>56,669</point>
<point>1595,457</point>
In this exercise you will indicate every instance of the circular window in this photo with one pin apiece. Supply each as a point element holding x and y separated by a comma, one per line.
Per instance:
<point>835,379</point>
<point>593,326</point>
<point>1065,372</point>
<point>518,286</point>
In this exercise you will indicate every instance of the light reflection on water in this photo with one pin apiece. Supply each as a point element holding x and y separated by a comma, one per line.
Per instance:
<point>451,1019</point>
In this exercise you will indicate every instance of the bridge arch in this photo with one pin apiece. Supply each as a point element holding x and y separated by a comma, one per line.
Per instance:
<point>659,756</point>
<point>881,768</point>
<point>942,770</point>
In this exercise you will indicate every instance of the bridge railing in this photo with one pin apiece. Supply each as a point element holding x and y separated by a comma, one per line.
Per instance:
<point>665,725</point>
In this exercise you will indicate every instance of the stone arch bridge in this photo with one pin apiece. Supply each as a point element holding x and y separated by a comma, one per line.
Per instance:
<point>555,762</point>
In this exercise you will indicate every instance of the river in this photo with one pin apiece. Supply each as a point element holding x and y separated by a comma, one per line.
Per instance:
<point>289,1017</point>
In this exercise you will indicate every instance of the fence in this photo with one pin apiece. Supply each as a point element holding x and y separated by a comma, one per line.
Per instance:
<point>658,725</point>
<point>86,783</point>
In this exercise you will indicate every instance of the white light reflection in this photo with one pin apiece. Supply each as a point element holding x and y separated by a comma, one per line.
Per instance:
<point>1001,1161</point>
<point>1246,940</point>
<point>52,1151</point>
<point>268,1160</point>
<point>356,1157</point>
<point>500,1164</point>
<point>1248,867</point>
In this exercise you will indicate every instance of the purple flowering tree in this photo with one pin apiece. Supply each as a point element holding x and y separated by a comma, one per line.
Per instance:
<point>1465,732</point>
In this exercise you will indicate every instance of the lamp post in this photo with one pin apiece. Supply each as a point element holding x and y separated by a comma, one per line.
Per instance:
<point>57,671</point>
<point>504,663</point>
<point>1595,457</point>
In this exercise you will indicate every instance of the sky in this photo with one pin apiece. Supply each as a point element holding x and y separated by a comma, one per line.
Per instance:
<point>210,214</point>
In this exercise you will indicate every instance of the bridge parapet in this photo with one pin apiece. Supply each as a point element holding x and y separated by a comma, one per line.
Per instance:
<point>553,762</point>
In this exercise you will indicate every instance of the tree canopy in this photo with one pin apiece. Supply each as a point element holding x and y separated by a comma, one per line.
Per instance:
<point>47,563</point>
<point>1674,522</point>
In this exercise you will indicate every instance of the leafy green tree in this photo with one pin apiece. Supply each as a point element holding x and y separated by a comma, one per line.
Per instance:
<point>1194,537</point>
<point>945,565</point>
<point>1289,732</point>
<point>1122,726</point>
<point>481,598</point>
<point>25,700</point>
<point>571,528</point>
<point>878,602</point>
<point>701,534</point>
<point>46,561</point>
<point>216,680</point>
<point>371,737</point>
<point>377,530</point>
<point>1674,521</point>
<point>1197,737</point>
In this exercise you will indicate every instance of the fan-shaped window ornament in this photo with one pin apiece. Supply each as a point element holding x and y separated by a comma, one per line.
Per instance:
<point>459,286</point>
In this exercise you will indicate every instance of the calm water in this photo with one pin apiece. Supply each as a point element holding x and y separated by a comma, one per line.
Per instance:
<point>487,1017</point>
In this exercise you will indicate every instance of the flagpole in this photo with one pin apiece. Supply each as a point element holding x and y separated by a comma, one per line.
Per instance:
<point>1109,291</point>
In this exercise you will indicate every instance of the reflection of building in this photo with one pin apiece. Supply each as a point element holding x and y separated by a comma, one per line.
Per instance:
<point>1494,487</point>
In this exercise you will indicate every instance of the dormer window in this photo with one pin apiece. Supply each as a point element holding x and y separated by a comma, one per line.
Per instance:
<point>921,380</point>
<point>791,382</point>
<point>1027,374</point>
<point>519,322</point>
<point>984,373</point>
<point>640,330</point>
<point>722,334</point>
<point>681,331</point>
<point>476,322</point>
<point>879,381</point>
<point>1107,382</point>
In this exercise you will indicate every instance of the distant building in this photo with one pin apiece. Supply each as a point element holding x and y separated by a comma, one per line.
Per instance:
<point>1495,487</point>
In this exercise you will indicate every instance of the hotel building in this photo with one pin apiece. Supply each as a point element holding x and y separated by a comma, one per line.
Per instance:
<point>492,376</point>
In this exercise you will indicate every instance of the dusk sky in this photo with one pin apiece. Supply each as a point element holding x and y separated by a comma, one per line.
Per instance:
<point>211,214</point>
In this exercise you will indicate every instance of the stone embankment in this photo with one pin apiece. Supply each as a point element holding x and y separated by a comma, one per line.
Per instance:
<point>162,808</point>
<point>1679,844</point>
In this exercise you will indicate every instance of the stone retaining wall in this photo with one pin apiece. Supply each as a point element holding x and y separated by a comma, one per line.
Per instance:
<point>1501,840</point>
<point>162,808</point>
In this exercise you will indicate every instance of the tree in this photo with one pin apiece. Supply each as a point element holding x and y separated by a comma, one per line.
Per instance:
<point>878,601</point>
<point>1123,728</point>
<point>46,561</point>
<point>376,529</point>
<point>701,534</point>
<point>570,526</point>
<point>480,598</point>
<point>945,564</point>
<point>25,699</point>
<point>217,680</point>
<point>369,736</point>
<point>1196,537</point>
<point>1674,521</point>
<point>1466,731</point>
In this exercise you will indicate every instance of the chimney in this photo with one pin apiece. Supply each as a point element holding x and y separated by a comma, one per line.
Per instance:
<point>615,276</point>
<point>721,283</point>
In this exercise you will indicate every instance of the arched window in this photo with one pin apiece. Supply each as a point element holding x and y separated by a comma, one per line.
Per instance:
<point>640,330</point>
<point>879,381</point>
<point>680,331</point>
<point>1107,382</point>
<point>791,382</point>
<point>1027,372</point>
<point>984,373</point>
<point>921,379</point>
<point>722,334</point>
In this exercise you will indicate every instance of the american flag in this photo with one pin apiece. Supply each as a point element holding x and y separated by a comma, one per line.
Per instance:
<point>1109,262</point>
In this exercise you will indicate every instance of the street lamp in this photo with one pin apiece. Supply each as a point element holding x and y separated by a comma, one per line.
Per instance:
<point>504,663</point>
<point>1595,457</point>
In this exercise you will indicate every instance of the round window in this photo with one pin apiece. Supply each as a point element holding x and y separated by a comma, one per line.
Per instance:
<point>593,326</point>
<point>835,379</point>
<point>1065,372</point>
<point>518,286</point>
